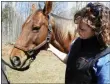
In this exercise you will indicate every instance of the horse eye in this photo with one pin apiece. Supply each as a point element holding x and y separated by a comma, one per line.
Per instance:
<point>35,28</point>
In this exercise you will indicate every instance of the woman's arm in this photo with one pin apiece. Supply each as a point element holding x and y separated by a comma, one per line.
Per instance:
<point>62,56</point>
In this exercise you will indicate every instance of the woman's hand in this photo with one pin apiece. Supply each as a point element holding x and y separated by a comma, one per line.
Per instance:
<point>62,56</point>
<point>51,48</point>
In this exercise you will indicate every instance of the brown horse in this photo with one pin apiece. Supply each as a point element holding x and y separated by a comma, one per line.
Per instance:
<point>39,29</point>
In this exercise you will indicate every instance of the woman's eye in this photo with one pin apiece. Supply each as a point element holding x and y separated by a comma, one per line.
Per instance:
<point>82,29</point>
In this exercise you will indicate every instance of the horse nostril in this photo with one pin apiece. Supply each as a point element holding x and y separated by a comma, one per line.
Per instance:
<point>16,61</point>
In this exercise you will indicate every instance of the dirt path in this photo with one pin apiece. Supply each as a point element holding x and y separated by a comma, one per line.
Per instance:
<point>45,69</point>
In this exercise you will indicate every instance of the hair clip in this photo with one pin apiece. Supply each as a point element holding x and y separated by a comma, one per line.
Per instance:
<point>94,9</point>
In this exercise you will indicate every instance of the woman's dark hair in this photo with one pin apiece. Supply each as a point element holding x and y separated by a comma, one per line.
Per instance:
<point>99,16</point>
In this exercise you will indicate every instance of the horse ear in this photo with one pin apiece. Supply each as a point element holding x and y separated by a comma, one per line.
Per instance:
<point>33,8</point>
<point>48,7</point>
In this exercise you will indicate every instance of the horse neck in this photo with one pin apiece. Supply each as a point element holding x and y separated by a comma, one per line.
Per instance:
<point>64,29</point>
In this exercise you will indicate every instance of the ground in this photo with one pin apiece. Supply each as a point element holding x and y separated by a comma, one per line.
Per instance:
<point>46,68</point>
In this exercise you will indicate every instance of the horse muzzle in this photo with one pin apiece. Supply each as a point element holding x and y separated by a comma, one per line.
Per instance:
<point>15,61</point>
<point>18,64</point>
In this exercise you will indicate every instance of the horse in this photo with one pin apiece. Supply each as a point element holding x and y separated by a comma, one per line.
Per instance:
<point>41,28</point>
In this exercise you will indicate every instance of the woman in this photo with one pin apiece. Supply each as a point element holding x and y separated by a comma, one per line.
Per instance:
<point>84,66</point>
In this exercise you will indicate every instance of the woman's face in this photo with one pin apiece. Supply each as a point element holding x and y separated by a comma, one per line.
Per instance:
<point>84,30</point>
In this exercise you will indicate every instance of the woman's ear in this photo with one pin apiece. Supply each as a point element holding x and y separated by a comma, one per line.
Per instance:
<point>47,8</point>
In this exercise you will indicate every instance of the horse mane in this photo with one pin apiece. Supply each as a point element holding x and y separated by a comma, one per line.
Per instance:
<point>64,27</point>
<point>54,15</point>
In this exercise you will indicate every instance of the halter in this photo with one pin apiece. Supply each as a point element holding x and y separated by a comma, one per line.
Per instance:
<point>31,53</point>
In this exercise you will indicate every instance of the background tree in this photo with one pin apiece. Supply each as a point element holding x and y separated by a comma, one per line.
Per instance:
<point>15,13</point>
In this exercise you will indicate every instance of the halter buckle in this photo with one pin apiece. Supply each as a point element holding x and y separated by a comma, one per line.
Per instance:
<point>30,52</point>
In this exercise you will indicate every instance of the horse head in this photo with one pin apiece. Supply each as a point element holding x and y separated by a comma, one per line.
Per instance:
<point>34,36</point>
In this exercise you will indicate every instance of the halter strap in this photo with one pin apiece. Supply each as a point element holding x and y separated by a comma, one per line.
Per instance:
<point>46,41</point>
<point>30,53</point>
